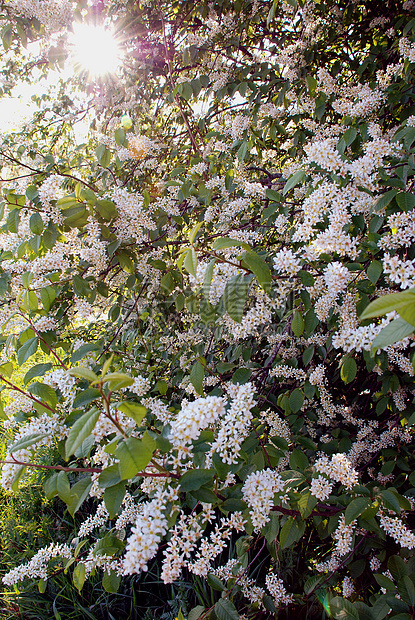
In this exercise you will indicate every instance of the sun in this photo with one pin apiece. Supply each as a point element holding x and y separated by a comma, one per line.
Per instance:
<point>94,49</point>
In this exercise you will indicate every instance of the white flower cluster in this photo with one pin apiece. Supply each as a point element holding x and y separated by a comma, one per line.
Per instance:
<point>185,535</point>
<point>140,386</point>
<point>338,469</point>
<point>347,587</point>
<point>279,427</point>
<point>398,531</point>
<point>133,217</point>
<point>336,277</point>
<point>258,315</point>
<point>286,262</point>
<point>399,271</point>
<point>277,590</point>
<point>61,379</point>
<point>48,425</point>
<point>324,154</point>
<point>407,49</point>
<point>258,492</point>
<point>37,567</point>
<point>94,521</point>
<point>147,532</point>
<point>288,372</point>
<point>193,418</point>
<point>211,547</point>
<point>234,424</point>
<point>53,14</point>
<point>159,409</point>
<point>321,488</point>
<point>343,536</point>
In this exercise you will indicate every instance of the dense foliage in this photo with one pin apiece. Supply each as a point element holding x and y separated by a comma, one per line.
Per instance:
<point>183,344</point>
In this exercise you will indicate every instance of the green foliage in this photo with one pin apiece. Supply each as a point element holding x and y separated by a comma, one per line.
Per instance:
<point>198,354</point>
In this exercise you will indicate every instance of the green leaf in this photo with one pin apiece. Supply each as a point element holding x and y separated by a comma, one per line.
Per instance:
<point>134,455</point>
<point>36,223</point>
<point>271,529</point>
<point>79,576</point>
<point>38,370</point>
<point>243,150</point>
<point>194,231</point>
<point>348,369</point>
<point>80,431</point>
<point>207,280</point>
<point>27,350</point>
<point>79,493</point>
<point>196,376</point>
<point>294,180</point>
<point>259,268</point>
<point>384,200</point>
<point>215,583</point>
<point>119,136</point>
<point>388,303</point>
<point>356,508</point>
<point>241,376</point>
<point>106,209</point>
<point>298,460</point>
<point>103,155</point>
<point>296,400</point>
<point>385,582</point>
<point>342,609</point>
<point>167,284</point>
<point>113,497</point>
<point>193,479</point>
<point>83,373</point>
<point>63,488</point>
<point>190,262</point>
<point>47,297</point>
<point>395,331</point>
<point>235,295</point>
<point>374,271</point>
<point>195,613</point>
<point>312,583</point>
<point>226,610</point>
<point>233,504</point>
<point>133,410</point>
<point>350,135</point>
<point>110,476</point>
<point>306,504</point>
<point>44,392</point>
<point>406,201</point>
<point>85,397</point>
<point>311,85</point>
<point>226,242</point>
<point>26,442</point>
<point>291,532</point>
<point>397,567</point>
<point>111,582</point>
<point>406,590</point>
<point>109,545</point>
<point>390,501</point>
<point>297,323</point>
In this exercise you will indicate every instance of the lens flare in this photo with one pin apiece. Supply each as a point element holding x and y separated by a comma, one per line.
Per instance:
<point>94,50</point>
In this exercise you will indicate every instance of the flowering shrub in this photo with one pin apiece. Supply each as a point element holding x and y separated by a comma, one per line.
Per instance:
<point>185,300</point>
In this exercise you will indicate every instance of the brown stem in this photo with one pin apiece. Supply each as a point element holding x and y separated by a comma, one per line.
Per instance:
<point>44,341</point>
<point>14,387</point>
<point>94,470</point>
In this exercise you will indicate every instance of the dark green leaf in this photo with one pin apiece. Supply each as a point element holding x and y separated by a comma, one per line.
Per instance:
<point>80,431</point>
<point>225,610</point>
<point>27,350</point>
<point>134,455</point>
<point>197,374</point>
<point>196,478</point>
